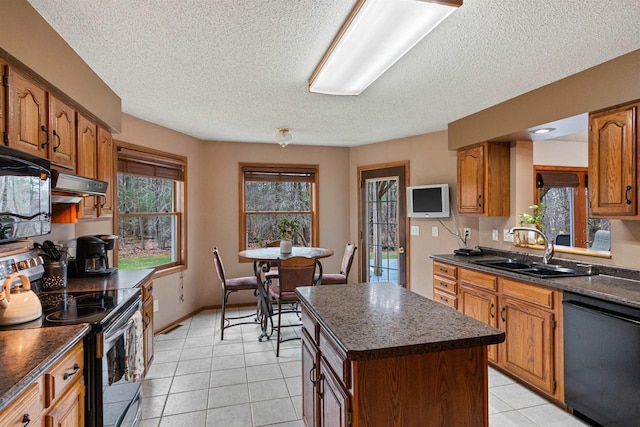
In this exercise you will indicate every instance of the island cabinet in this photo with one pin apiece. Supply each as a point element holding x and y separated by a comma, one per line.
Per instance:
<point>613,163</point>
<point>375,354</point>
<point>529,315</point>
<point>484,179</point>
<point>55,398</point>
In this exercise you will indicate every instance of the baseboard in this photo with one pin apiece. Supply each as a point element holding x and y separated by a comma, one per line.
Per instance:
<point>173,324</point>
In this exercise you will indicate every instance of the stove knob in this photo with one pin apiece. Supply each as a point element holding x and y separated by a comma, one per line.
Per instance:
<point>23,265</point>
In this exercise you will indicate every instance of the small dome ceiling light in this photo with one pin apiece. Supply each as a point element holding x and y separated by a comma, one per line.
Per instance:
<point>543,130</point>
<point>283,137</point>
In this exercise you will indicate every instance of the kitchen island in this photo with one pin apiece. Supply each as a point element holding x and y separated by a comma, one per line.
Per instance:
<point>375,354</point>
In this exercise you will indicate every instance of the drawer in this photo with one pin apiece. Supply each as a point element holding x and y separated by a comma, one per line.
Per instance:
<point>529,293</point>
<point>147,290</point>
<point>479,279</point>
<point>310,324</point>
<point>445,285</point>
<point>335,358</point>
<point>445,298</point>
<point>63,374</point>
<point>445,270</point>
<point>27,407</point>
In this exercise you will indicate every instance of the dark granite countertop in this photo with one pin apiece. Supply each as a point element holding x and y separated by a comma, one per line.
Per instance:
<point>26,354</point>
<point>121,279</point>
<point>379,320</point>
<point>616,285</point>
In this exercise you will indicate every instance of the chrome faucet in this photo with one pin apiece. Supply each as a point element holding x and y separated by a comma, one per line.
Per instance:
<point>548,245</point>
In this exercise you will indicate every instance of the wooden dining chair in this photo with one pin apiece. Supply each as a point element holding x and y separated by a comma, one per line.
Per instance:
<point>342,277</point>
<point>230,286</point>
<point>293,272</point>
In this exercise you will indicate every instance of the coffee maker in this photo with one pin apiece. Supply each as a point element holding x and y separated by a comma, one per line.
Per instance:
<point>91,256</point>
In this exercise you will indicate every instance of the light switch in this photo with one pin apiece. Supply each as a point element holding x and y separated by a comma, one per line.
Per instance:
<point>415,230</point>
<point>494,234</point>
<point>434,231</point>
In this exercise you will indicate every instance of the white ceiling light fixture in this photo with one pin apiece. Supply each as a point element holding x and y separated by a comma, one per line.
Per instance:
<point>543,130</point>
<point>376,34</point>
<point>283,136</point>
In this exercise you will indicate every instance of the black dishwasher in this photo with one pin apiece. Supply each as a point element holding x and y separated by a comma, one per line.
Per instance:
<point>602,360</point>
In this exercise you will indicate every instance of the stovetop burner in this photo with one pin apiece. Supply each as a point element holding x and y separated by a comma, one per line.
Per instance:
<point>67,308</point>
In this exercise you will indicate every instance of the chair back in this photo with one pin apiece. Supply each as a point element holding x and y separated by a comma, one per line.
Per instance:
<point>602,240</point>
<point>347,258</point>
<point>217,262</point>
<point>296,271</point>
<point>563,240</point>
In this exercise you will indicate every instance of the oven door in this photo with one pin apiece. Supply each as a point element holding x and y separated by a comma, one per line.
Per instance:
<point>121,391</point>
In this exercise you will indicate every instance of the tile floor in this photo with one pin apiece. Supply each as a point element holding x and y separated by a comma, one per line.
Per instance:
<point>198,380</point>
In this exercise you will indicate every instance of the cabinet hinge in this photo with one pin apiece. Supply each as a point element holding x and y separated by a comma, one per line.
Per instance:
<point>5,138</point>
<point>5,80</point>
<point>553,324</point>
<point>349,418</point>
<point>554,385</point>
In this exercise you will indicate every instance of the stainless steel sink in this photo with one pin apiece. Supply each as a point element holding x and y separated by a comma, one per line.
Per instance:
<point>531,269</point>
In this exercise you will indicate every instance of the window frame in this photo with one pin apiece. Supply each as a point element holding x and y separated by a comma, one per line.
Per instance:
<point>278,168</point>
<point>153,156</point>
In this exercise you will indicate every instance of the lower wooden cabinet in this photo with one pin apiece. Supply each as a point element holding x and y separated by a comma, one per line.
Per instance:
<point>55,399</point>
<point>529,314</point>
<point>334,400</point>
<point>147,320</point>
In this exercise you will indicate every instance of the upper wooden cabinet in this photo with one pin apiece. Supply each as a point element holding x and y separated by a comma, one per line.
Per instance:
<point>613,163</point>
<point>27,124</point>
<point>484,179</point>
<point>105,170</point>
<point>88,160</point>
<point>62,123</point>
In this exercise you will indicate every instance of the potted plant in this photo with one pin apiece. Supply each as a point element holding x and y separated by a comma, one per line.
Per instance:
<point>536,220</point>
<point>288,230</point>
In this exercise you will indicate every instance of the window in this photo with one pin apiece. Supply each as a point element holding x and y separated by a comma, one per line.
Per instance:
<point>271,192</point>
<point>151,209</point>
<point>563,192</point>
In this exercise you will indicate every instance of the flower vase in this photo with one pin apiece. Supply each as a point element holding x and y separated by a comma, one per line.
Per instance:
<point>285,246</point>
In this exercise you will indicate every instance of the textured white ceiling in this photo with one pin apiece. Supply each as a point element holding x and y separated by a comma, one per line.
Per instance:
<point>236,70</point>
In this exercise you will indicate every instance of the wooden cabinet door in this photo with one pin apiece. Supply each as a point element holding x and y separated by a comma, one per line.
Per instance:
<point>310,374</point>
<point>147,319</point>
<point>105,170</point>
<point>27,408</point>
<point>69,411</point>
<point>334,400</point>
<point>528,349</point>
<point>471,180</point>
<point>62,122</point>
<point>612,163</point>
<point>27,124</point>
<point>482,306</point>
<point>87,159</point>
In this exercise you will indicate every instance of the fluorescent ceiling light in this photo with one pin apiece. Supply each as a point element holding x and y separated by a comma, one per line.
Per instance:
<point>542,130</point>
<point>376,34</point>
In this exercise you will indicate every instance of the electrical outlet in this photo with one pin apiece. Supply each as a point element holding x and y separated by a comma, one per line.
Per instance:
<point>156,305</point>
<point>506,236</point>
<point>494,234</point>
<point>434,231</point>
<point>415,230</point>
<point>467,234</point>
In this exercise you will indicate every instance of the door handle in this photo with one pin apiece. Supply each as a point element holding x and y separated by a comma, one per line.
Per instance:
<point>400,250</point>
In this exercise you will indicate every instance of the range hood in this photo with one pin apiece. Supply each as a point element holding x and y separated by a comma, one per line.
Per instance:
<point>74,187</point>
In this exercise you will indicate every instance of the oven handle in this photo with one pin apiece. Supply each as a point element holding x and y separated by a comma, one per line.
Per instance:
<point>118,333</point>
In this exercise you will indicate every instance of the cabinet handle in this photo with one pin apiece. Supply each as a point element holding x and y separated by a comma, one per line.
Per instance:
<point>55,148</point>
<point>444,299</point>
<point>444,270</point>
<point>67,375</point>
<point>44,129</point>
<point>480,200</point>
<point>502,314</point>
<point>443,284</point>
<point>491,311</point>
<point>26,420</point>
<point>320,393</point>
<point>626,194</point>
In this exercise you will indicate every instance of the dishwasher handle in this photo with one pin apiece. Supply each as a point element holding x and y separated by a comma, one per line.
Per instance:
<point>598,311</point>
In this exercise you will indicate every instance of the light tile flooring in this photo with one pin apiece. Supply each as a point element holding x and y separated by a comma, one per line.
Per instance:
<point>198,380</point>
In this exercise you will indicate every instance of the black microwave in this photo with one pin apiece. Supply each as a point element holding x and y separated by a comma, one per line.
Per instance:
<point>25,195</point>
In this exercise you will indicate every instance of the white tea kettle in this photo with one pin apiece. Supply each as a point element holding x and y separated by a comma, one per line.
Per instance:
<point>21,305</point>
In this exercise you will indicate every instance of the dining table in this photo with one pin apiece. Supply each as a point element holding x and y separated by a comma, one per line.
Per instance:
<point>262,259</point>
